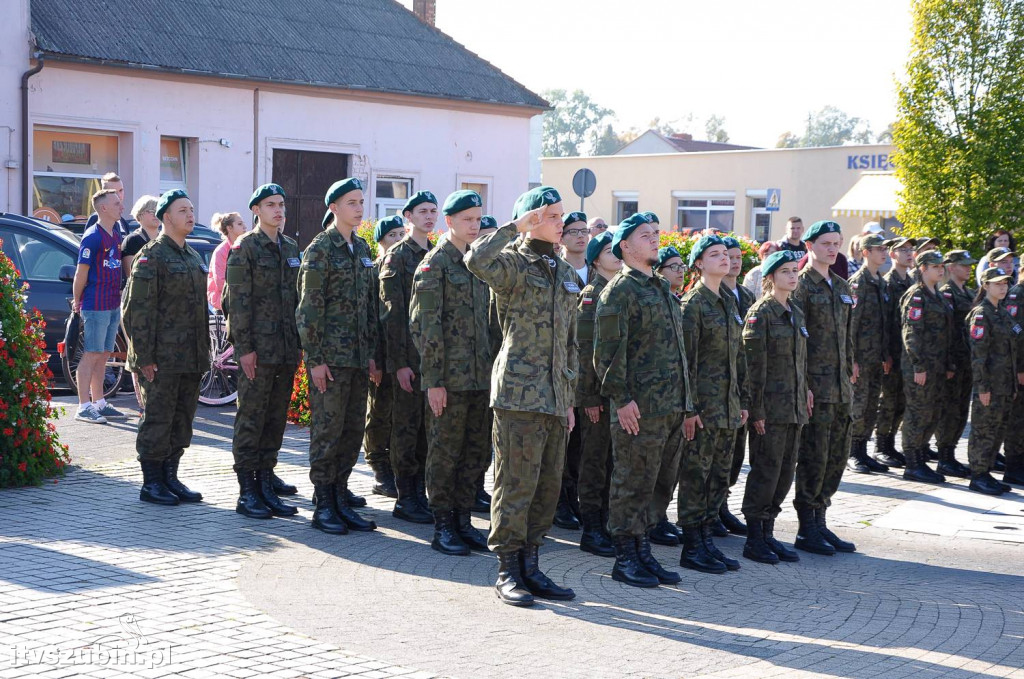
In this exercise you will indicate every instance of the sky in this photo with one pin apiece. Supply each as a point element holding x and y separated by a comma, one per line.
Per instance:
<point>761,65</point>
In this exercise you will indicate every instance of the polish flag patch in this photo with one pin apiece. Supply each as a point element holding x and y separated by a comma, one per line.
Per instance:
<point>751,320</point>
<point>977,331</point>
<point>914,313</point>
<point>588,300</point>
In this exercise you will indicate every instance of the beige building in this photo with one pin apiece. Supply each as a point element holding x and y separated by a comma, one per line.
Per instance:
<point>736,190</point>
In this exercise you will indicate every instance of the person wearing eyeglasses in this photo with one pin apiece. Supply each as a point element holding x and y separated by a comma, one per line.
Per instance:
<point>670,266</point>
<point>597,226</point>
<point>575,235</point>
<point>144,212</point>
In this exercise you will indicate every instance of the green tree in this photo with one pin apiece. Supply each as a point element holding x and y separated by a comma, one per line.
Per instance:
<point>574,120</point>
<point>959,135</point>
<point>828,127</point>
<point>787,140</point>
<point>713,126</point>
<point>605,143</point>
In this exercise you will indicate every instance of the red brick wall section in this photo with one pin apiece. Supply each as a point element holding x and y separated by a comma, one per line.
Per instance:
<point>426,10</point>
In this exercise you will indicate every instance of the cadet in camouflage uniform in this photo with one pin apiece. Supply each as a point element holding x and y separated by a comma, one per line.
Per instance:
<point>165,318</point>
<point>259,300</point>
<point>532,387</point>
<point>927,363</point>
<point>1014,443</point>
<point>640,360</point>
<point>775,346</point>
<point>408,434</point>
<point>337,327</point>
<point>377,439</point>
<point>712,328</point>
<point>488,225</point>
<point>594,409</point>
<point>827,302</point>
<point>956,398</point>
<point>449,325</point>
<point>893,404</point>
<point>872,345</point>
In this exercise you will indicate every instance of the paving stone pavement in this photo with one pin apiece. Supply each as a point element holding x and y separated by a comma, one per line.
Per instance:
<point>198,591</point>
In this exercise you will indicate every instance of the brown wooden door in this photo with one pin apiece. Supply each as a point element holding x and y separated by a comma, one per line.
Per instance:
<point>305,177</point>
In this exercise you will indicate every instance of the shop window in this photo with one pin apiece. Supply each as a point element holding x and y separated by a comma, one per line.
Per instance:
<point>625,208</point>
<point>390,194</point>
<point>480,187</point>
<point>172,163</point>
<point>760,220</point>
<point>705,213</point>
<point>66,168</point>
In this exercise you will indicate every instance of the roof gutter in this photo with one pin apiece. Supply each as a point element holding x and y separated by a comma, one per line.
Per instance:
<point>25,174</point>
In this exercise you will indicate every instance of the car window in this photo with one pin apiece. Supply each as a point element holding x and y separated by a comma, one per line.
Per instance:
<point>10,247</point>
<point>41,259</point>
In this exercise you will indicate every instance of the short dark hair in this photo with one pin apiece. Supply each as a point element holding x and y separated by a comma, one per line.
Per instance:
<point>110,177</point>
<point>794,219</point>
<point>101,196</point>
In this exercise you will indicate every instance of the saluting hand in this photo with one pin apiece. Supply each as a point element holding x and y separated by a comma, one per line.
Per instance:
<point>248,363</point>
<point>690,426</point>
<point>530,221</point>
<point>629,418</point>
<point>594,412</point>
<point>320,375</point>
<point>437,397</point>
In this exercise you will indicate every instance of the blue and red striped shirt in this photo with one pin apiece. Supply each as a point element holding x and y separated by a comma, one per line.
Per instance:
<point>102,252</point>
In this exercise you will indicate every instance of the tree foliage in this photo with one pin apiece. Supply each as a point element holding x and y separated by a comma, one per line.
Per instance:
<point>575,119</point>
<point>829,126</point>
<point>715,130</point>
<point>959,135</point>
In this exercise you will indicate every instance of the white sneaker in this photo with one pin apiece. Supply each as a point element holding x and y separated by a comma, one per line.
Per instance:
<point>90,414</point>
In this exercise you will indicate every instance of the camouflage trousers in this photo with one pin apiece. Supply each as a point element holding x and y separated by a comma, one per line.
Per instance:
<point>377,437</point>
<point>893,403</point>
<point>408,433</point>
<point>573,452</point>
<point>956,406</point>
<point>458,450</point>
<point>866,394</point>
<point>529,453</point>
<point>824,450</point>
<point>739,451</point>
<point>262,416</point>
<point>923,408</point>
<point>668,477</point>
<point>989,426</point>
<point>704,474</point>
<point>595,461</point>
<point>1013,442</point>
<point>772,466</point>
<point>636,464</point>
<point>336,425</point>
<point>165,430</point>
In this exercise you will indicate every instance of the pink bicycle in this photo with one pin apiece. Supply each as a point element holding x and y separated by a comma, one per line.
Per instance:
<point>219,385</point>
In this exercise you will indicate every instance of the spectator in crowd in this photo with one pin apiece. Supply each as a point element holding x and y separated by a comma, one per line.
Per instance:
<point>1000,238</point>
<point>794,233</point>
<point>597,226</point>
<point>110,181</point>
<point>752,281</point>
<point>854,261</point>
<point>231,225</point>
<point>144,212</point>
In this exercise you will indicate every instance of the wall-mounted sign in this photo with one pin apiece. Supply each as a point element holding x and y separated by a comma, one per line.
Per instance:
<point>871,161</point>
<point>71,152</point>
<point>772,199</point>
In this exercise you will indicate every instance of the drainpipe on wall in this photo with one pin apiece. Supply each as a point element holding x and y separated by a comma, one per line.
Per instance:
<point>255,138</point>
<point>25,174</point>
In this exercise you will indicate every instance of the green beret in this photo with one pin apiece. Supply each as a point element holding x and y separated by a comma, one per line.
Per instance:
<point>731,243</point>
<point>340,188</point>
<point>958,257</point>
<point>572,218</point>
<point>872,240</point>
<point>994,274</point>
<point>820,229</point>
<point>652,218</point>
<point>665,254</point>
<point>459,201</point>
<point>166,199</point>
<point>535,198</point>
<point>995,254</point>
<point>488,222</point>
<point>625,229</point>
<point>387,224</point>
<point>898,242</point>
<point>777,259</point>
<point>265,191</point>
<point>418,198</point>
<point>596,246</point>
<point>703,244</point>
<point>326,221</point>
<point>929,257</point>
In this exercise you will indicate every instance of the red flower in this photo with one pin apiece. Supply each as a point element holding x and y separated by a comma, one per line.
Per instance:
<point>22,466</point>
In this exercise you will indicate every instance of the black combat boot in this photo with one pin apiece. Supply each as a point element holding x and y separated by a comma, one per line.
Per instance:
<point>651,565</point>
<point>343,506</point>
<point>886,453</point>
<point>595,540</point>
<point>265,489</point>
<point>473,538</point>
<point>627,568</point>
<point>353,499</point>
<point>950,466</point>
<point>510,587</point>
<point>830,537</point>
<point>446,539</point>
<point>539,584</point>
<point>282,488</point>
<point>917,470</point>
<point>781,549</point>
<point>984,483</point>
<point>384,479</point>
<point>564,516</point>
<point>421,490</point>
<point>154,488</point>
<point>857,461</point>
<point>482,501</point>
<point>708,533</point>
<point>755,548</point>
<point>1014,472</point>
<point>730,521</point>
<point>695,555</point>
<point>407,507</point>
<point>809,537</point>
<point>664,533</point>
<point>184,493</point>
<point>325,516</point>
<point>250,503</point>
<point>1000,464</point>
<point>873,464</point>
<point>718,528</point>
<point>930,454</point>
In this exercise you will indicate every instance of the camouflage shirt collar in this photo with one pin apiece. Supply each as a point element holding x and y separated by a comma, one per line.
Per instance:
<point>453,252</point>
<point>264,240</point>
<point>816,277</point>
<point>724,296</point>
<point>639,276</point>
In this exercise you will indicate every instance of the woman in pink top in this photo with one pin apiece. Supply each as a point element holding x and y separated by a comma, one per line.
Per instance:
<point>232,226</point>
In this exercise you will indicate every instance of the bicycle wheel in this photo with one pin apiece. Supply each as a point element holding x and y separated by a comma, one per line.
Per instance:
<point>219,385</point>
<point>115,369</point>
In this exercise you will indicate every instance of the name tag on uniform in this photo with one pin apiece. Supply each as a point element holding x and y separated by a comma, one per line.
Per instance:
<point>1016,329</point>
<point>846,299</point>
<point>803,331</point>
<point>293,262</point>
<point>571,287</point>
<point>367,262</point>
<point>739,320</point>
<point>203,267</point>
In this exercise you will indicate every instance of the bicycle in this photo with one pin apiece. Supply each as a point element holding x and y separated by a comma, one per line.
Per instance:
<point>219,385</point>
<point>116,362</point>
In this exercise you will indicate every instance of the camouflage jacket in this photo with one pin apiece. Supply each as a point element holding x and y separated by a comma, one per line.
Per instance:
<point>449,322</point>
<point>871,319</point>
<point>994,338</point>
<point>775,345</point>
<point>379,347</point>
<point>897,289</point>
<point>535,369</point>
<point>336,313</point>
<point>927,331</point>
<point>713,329</point>
<point>588,389</point>
<point>962,300</point>
<point>828,313</point>
<point>1014,302</point>
<point>745,301</point>
<point>396,274</point>
<point>260,295</point>
<point>165,309</point>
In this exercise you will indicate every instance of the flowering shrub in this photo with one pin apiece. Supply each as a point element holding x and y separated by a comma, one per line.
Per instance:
<point>30,449</point>
<point>685,243</point>
<point>298,408</point>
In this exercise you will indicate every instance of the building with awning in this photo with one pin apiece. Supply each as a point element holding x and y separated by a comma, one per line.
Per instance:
<point>874,196</point>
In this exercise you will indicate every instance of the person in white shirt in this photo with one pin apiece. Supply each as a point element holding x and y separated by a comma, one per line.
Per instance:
<point>575,236</point>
